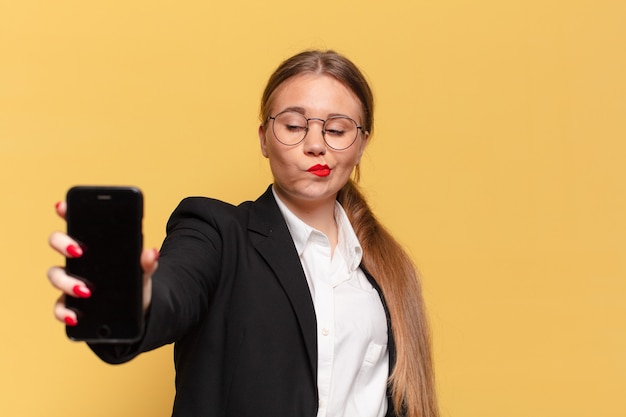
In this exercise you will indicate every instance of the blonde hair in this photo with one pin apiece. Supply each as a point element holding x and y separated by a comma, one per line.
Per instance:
<point>412,381</point>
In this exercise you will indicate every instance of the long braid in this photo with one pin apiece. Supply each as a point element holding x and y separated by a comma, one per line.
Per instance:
<point>412,380</point>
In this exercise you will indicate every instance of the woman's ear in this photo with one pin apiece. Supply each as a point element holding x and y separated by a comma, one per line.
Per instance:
<point>263,140</point>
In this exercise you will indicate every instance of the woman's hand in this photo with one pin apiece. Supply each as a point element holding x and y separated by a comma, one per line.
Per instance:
<point>67,247</point>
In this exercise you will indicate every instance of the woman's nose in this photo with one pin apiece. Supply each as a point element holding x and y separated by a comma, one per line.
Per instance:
<point>314,141</point>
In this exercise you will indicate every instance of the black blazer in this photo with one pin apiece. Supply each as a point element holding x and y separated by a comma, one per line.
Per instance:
<point>230,292</point>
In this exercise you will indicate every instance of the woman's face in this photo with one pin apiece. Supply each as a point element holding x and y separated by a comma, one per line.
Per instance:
<point>311,172</point>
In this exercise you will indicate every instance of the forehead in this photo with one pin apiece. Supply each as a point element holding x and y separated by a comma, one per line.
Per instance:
<point>318,94</point>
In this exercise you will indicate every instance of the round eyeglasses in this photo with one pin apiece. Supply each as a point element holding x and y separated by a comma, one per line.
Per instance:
<point>290,128</point>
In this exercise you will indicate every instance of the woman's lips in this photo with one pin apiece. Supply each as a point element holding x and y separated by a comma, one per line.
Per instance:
<point>320,170</point>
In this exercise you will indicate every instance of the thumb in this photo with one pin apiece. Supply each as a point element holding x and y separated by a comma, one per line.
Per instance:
<point>149,264</point>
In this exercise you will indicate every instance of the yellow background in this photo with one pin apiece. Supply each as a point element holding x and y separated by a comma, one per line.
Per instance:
<point>498,160</point>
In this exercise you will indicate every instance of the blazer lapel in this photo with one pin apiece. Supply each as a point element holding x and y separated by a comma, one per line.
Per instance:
<point>270,236</point>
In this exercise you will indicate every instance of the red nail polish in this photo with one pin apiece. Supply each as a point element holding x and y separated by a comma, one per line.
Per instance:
<point>74,251</point>
<point>56,206</point>
<point>70,321</point>
<point>81,291</point>
<point>157,254</point>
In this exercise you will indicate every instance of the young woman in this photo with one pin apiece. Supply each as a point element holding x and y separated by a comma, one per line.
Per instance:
<point>299,303</point>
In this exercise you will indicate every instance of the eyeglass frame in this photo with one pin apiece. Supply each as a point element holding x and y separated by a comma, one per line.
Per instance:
<point>306,128</point>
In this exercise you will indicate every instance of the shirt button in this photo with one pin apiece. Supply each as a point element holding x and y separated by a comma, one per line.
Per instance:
<point>325,332</point>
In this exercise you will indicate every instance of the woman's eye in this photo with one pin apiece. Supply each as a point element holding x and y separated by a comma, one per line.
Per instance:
<point>335,132</point>
<point>294,128</point>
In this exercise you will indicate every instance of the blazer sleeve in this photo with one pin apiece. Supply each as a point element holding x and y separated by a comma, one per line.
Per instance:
<point>186,278</point>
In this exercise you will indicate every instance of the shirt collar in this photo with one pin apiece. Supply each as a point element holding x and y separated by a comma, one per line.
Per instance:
<point>348,244</point>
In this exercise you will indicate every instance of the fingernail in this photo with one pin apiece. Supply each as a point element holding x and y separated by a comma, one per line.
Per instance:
<point>70,321</point>
<point>56,206</point>
<point>157,254</point>
<point>81,291</point>
<point>74,251</point>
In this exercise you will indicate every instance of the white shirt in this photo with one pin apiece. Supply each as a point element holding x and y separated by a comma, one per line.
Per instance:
<point>353,360</point>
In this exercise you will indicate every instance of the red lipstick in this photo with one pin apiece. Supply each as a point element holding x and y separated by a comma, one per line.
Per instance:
<point>320,170</point>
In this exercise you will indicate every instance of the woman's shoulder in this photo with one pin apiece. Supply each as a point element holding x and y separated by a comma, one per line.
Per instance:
<point>212,206</point>
<point>218,213</point>
<point>208,209</point>
<point>197,203</point>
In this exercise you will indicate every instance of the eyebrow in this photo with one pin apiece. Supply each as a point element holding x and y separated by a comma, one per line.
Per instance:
<point>302,111</point>
<point>296,109</point>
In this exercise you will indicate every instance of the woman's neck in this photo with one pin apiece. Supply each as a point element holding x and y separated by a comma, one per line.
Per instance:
<point>319,214</point>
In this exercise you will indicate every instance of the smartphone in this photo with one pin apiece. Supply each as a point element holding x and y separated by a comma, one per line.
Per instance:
<point>107,224</point>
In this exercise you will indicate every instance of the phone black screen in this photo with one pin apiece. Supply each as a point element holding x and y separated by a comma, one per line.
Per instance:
<point>107,223</point>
